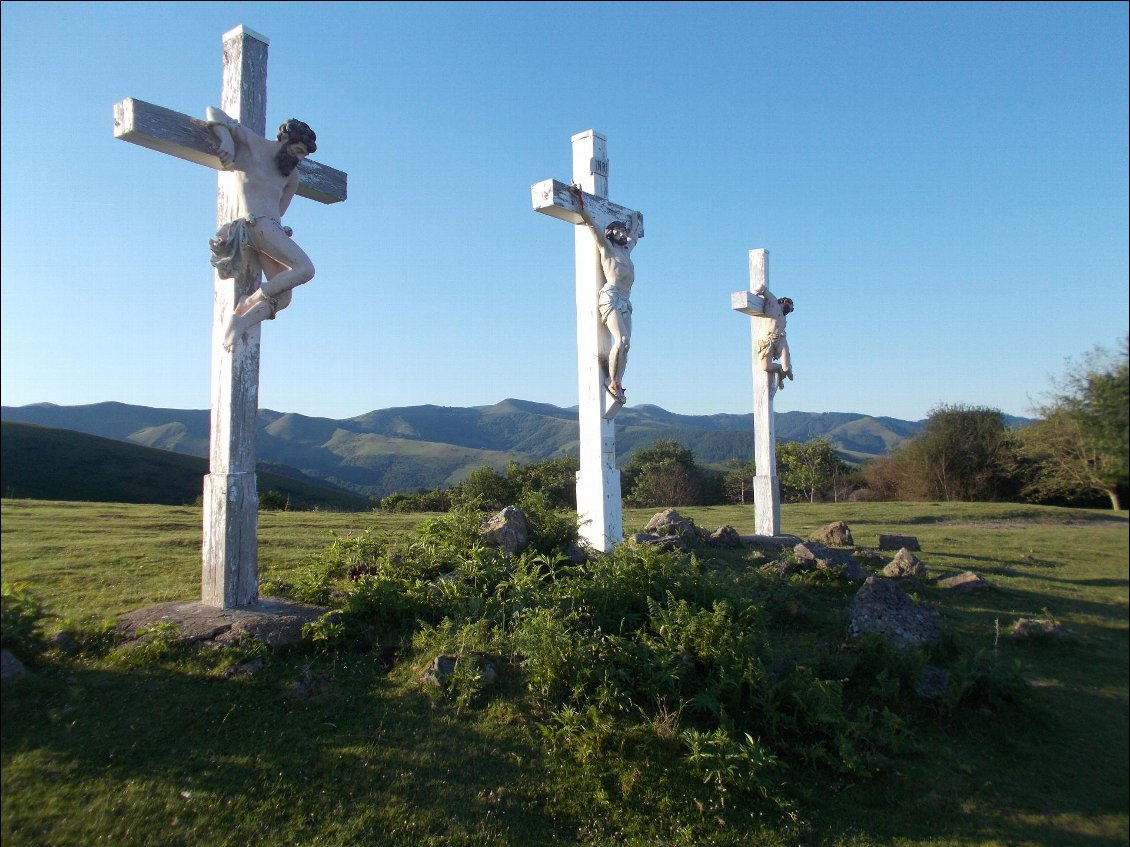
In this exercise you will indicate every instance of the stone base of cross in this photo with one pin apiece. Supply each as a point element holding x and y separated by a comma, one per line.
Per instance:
<point>766,489</point>
<point>598,481</point>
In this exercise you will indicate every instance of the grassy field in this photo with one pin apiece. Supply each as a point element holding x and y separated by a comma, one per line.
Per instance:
<point>112,746</point>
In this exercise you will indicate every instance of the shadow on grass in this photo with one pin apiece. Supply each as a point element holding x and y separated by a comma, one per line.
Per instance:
<point>357,760</point>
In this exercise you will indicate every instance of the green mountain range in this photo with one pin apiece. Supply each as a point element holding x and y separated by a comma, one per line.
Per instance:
<point>425,447</point>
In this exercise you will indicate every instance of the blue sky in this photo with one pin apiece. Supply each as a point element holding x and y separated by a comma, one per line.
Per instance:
<point>942,189</point>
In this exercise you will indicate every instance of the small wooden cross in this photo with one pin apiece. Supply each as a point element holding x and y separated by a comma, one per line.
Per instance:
<point>230,575</point>
<point>598,481</point>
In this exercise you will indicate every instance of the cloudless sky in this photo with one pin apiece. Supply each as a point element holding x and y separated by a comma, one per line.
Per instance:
<point>942,189</point>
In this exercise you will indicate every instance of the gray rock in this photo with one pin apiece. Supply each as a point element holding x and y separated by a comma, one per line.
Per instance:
<point>896,542</point>
<point>814,555</point>
<point>670,522</point>
<point>967,583</point>
<point>1038,628</point>
<point>663,542</point>
<point>508,531</point>
<point>11,668</point>
<point>882,607</point>
<point>440,670</point>
<point>905,564</point>
<point>779,567</point>
<point>62,641</point>
<point>725,536</point>
<point>837,534</point>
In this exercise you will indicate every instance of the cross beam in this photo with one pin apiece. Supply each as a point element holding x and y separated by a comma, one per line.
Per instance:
<point>191,139</point>
<point>598,481</point>
<point>230,566</point>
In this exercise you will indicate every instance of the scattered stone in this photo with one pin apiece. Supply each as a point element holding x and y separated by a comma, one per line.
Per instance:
<point>273,621</point>
<point>779,567</point>
<point>967,583</point>
<point>882,607</point>
<point>813,554</point>
<point>62,640</point>
<point>508,531</point>
<point>10,667</point>
<point>725,536</point>
<point>896,542</point>
<point>867,554</point>
<point>837,534</point>
<point>246,669</point>
<point>440,670</point>
<point>905,564</point>
<point>574,552</point>
<point>1037,627</point>
<point>670,522</point>
<point>310,683</point>
<point>663,542</point>
<point>933,683</point>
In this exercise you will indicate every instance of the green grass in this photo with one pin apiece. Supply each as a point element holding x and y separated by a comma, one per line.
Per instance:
<point>104,748</point>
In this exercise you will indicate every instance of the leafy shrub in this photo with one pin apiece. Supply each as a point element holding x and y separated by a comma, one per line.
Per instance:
<point>20,621</point>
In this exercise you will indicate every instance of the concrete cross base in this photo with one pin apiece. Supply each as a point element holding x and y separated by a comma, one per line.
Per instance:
<point>767,505</point>
<point>231,520</point>
<point>273,621</point>
<point>600,517</point>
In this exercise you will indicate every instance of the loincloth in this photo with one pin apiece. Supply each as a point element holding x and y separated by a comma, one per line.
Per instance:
<point>769,342</point>
<point>612,297</point>
<point>232,241</point>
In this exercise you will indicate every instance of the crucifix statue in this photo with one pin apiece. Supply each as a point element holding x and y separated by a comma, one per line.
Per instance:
<point>604,277</point>
<point>772,365</point>
<point>257,180</point>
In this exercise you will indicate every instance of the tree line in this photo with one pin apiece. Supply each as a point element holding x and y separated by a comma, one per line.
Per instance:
<point>1075,453</point>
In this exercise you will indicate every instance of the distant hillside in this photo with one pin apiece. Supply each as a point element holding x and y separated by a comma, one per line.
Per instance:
<point>404,449</point>
<point>44,463</point>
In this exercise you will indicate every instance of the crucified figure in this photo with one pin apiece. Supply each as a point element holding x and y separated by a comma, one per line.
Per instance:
<point>266,179</point>
<point>615,244</point>
<point>772,343</point>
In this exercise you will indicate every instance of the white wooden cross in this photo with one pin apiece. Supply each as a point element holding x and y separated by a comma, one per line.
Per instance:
<point>598,480</point>
<point>231,503</point>
<point>766,489</point>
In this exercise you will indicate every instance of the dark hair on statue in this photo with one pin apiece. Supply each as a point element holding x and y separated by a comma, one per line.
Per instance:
<point>295,131</point>
<point>787,301</point>
<point>615,225</point>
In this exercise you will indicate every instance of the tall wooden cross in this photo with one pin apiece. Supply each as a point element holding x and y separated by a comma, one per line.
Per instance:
<point>766,489</point>
<point>598,480</point>
<point>231,502</point>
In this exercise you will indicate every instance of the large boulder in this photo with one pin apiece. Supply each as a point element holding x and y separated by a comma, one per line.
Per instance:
<point>882,607</point>
<point>508,531</point>
<point>837,534</point>
<point>663,542</point>
<point>725,536</point>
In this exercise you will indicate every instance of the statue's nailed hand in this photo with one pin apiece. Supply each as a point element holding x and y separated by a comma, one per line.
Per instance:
<point>226,152</point>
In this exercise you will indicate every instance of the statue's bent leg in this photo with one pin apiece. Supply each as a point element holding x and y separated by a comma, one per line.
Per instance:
<point>290,267</point>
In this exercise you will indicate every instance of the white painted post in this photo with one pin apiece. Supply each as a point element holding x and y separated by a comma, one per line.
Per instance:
<point>598,481</point>
<point>230,575</point>
<point>766,489</point>
<point>231,503</point>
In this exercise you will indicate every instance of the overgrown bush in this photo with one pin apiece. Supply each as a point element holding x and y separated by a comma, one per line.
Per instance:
<point>20,622</point>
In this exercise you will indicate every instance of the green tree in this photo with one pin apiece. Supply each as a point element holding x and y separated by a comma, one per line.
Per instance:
<point>963,453</point>
<point>662,474</point>
<point>1081,444</point>
<point>810,470</point>
<point>492,490</point>
<point>737,484</point>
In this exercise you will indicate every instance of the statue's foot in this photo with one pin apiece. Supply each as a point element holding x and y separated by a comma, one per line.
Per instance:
<point>231,332</point>
<point>617,391</point>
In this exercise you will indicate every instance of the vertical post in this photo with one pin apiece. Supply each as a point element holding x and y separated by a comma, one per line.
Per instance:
<point>231,503</point>
<point>766,489</point>
<point>598,480</point>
